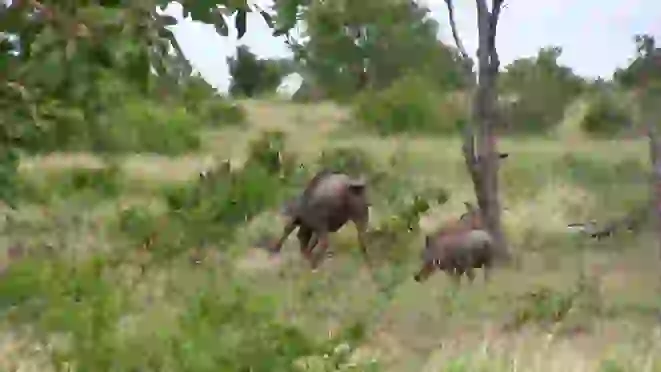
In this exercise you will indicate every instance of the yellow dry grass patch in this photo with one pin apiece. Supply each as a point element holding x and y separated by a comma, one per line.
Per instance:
<point>550,211</point>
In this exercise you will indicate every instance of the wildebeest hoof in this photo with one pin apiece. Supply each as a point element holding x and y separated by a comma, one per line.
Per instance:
<point>416,278</point>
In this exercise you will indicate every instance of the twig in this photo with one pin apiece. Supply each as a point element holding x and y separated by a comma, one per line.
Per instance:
<point>453,27</point>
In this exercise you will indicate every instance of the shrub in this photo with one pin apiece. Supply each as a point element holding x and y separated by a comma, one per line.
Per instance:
<point>134,126</point>
<point>60,128</point>
<point>410,105</point>
<point>217,113</point>
<point>102,324</point>
<point>606,116</point>
<point>213,207</point>
<point>9,161</point>
<point>79,183</point>
<point>148,127</point>
<point>351,160</point>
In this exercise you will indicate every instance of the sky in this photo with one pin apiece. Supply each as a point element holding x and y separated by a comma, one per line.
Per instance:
<point>596,35</point>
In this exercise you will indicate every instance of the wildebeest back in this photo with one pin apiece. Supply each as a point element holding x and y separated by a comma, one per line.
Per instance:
<point>458,249</point>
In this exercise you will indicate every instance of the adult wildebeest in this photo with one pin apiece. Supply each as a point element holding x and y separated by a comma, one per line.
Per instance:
<point>329,201</point>
<point>457,248</point>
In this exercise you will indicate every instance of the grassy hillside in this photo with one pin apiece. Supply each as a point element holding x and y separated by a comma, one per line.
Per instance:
<point>568,304</point>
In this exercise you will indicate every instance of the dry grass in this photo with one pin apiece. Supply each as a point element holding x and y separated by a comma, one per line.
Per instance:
<point>423,327</point>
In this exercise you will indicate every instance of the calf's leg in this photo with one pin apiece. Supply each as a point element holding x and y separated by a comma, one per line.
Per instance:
<point>304,236</point>
<point>287,230</point>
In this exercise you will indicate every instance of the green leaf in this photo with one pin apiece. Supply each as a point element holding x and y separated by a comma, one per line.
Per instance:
<point>110,3</point>
<point>69,49</point>
<point>240,23</point>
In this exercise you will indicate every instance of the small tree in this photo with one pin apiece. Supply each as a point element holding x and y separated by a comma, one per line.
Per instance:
<point>252,76</point>
<point>480,154</point>
<point>351,46</point>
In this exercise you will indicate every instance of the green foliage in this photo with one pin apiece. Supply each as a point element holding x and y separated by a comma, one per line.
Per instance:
<point>103,324</point>
<point>212,208</point>
<point>352,160</point>
<point>218,113</point>
<point>410,105</point>
<point>610,365</point>
<point>537,90</point>
<point>252,76</point>
<point>76,183</point>
<point>9,161</point>
<point>353,46</point>
<point>148,127</point>
<point>644,69</point>
<point>607,115</point>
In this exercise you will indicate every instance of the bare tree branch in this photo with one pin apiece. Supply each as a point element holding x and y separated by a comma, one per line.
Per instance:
<point>455,33</point>
<point>497,5</point>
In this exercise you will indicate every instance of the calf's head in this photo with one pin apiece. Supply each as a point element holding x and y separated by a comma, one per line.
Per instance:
<point>472,218</point>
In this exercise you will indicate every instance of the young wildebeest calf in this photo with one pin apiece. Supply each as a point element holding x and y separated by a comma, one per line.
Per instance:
<point>458,248</point>
<point>329,201</point>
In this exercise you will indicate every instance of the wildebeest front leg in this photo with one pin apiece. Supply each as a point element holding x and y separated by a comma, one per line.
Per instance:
<point>287,230</point>
<point>470,273</point>
<point>487,271</point>
<point>322,236</point>
<point>455,275</point>
<point>361,229</point>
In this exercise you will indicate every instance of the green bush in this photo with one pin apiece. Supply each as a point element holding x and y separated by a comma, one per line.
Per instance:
<point>103,324</point>
<point>217,112</point>
<point>351,160</point>
<point>212,208</point>
<point>606,116</point>
<point>532,114</point>
<point>410,105</point>
<point>59,128</point>
<point>148,127</point>
<point>83,184</point>
<point>133,126</point>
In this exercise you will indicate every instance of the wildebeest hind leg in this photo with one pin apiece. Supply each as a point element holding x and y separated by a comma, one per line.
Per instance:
<point>307,241</point>
<point>287,230</point>
<point>304,235</point>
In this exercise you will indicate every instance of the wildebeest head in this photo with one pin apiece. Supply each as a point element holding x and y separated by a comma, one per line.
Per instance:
<point>357,188</point>
<point>472,216</point>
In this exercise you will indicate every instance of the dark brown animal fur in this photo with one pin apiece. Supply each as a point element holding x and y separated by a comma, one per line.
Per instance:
<point>329,201</point>
<point>457,248</point>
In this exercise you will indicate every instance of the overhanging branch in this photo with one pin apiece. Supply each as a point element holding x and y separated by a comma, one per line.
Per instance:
<point>455,33</point>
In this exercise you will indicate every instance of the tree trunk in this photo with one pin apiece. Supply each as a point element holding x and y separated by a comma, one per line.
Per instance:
<point>655,152</point>
<point>486,100</point>
<point>483,164</point>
